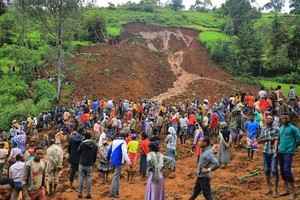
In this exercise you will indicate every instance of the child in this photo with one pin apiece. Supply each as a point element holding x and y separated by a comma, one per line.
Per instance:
<point>133,148</point>
<point>252,129</point>
<point>104,167</point>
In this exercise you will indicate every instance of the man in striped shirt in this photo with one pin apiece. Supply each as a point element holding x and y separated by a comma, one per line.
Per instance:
<point>269,137</point>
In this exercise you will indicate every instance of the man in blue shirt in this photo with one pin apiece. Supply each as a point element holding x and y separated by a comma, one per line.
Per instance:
<point>207,163</point>
<point>289,139</point>
<point>117,155</point>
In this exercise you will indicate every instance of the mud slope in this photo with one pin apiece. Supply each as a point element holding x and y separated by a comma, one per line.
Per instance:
<point>151,61</point>
<point>127,71</point>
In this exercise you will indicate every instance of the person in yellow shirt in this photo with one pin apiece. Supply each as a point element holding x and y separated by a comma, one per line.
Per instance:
<point>133,149</point>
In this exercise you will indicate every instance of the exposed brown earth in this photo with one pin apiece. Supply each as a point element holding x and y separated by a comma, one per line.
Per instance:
<point>150,62</point>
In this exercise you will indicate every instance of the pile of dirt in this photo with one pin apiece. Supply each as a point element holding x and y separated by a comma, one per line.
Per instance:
<point>127,71</point>
<point>150,62</point>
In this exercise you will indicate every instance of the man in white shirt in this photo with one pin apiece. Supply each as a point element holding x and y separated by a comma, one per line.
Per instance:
<point>17,174</point>
<point>183,121</point>
<point>55,156</point>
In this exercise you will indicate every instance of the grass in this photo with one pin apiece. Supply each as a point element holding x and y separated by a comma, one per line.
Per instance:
<point>210,38</point>
<point>285,87</point>
<point>201,21</point>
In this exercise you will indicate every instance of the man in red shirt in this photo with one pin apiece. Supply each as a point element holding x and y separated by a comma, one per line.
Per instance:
<point>144,150</point>
<point>191,124</point>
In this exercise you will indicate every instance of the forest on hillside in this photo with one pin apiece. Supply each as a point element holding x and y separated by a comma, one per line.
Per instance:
<point>36,39</point>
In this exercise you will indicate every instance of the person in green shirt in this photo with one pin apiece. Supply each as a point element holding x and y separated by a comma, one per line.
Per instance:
<point>289,139</point>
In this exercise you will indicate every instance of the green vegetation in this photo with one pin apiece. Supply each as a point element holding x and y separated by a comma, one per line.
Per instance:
<point>269,84</point>
<point>210,38</point>
<point>16,101</point>
<point>115,19</point>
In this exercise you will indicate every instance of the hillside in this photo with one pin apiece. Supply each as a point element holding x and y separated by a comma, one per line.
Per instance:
<point>151,61</point>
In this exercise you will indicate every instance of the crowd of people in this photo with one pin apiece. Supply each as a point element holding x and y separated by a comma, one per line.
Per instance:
<point>142,138</point>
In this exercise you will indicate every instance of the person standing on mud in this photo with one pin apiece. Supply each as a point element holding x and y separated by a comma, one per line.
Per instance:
<point>183,121</point>
<point>74,143</point>
<point>87,157</point>
<point>207,163</point>
<point>252,129</point>
<point>35,174</point>
<point>155,189</point>
<point>289,139</point>
<point>171,141</point>
<point>55,155</point>
<point>225,143</point>
<point>199,135</point>
<point>269,137</point>
<point>144,150</point>
<point>117,155</point>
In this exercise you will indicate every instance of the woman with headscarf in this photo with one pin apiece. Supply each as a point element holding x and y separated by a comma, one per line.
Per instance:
<point>155,184</point>
<point>171,141</point>
<point>225,141</point>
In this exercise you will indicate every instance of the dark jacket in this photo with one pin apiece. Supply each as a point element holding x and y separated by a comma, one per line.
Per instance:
<point>74,144</point>
<point>88,153</point>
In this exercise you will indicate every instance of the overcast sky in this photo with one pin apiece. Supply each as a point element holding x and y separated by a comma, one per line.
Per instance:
<point>187,3</point>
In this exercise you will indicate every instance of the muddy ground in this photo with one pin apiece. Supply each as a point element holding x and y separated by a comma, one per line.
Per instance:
<point>225,182</point>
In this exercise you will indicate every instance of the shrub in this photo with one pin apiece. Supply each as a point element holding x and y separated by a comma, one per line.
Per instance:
<point>13,86</point>
<point>42,89</point>
<point>291,78</point>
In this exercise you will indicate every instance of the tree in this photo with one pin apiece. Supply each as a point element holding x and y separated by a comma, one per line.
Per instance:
<point>240,12</point>
<point>279,35</point>
<point>7,23</point>
<point>111,6</point>
<point>202,5</point>
<point>295,6</point>
<point>249,50</point>
<point>277,5</point>
<point>2,7</point>
<point>276,58</point>
<point>294,46</point>
<point>176,5</point>
<point>144,5</point>
<point>53,16</point>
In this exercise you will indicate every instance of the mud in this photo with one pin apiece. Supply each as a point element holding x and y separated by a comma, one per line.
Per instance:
<point>150,62</point>
<point>225,182</point>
